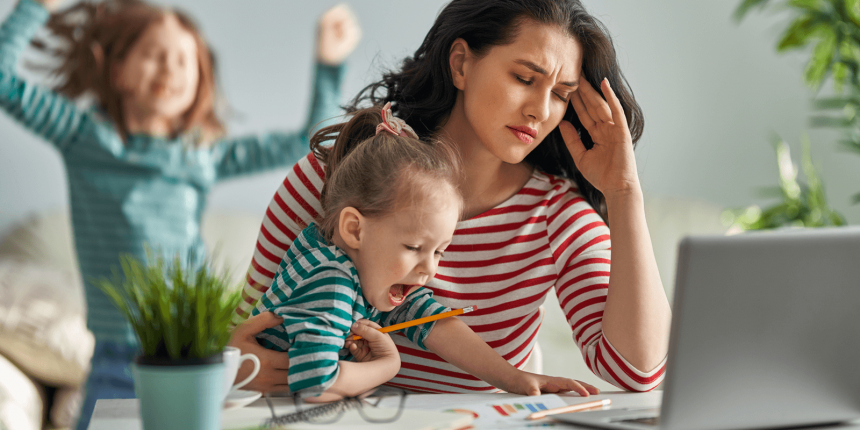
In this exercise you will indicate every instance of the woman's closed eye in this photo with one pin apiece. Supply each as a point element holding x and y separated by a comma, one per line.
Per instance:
<point>563,97</point>
<point>413,248</point>
<point>523,80</point>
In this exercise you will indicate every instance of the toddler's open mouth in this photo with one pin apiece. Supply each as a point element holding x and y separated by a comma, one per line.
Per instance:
<point>397,293</point>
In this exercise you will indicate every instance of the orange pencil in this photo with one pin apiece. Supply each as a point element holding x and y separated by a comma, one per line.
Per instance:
<point>406,324</point>
<point>596,404</point>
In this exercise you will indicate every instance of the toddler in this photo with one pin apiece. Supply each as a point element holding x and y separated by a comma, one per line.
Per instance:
<point>390,206</point>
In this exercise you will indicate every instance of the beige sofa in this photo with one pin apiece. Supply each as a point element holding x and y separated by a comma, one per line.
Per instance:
<point>45,348</point>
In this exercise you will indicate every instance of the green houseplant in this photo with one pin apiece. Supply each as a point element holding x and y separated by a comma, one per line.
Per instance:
<point>832,29</point>
<point>182,318</point>
<point>833,26</point>
<point>802,204</point>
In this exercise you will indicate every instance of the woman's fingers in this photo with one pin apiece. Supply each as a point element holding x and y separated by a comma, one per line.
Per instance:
<point>554,384</point>
<point>572,141</point>
<point>591,388</point>
<point>581,111</point>
<point>597,107</point>
<point>274,365</point>
<point>613,103</point>
<point>255,324</point>
<point>576,387</point>
<point>274,369</point>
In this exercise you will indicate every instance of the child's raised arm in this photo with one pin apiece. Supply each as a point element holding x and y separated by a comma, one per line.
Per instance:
<point>338,34</point>
<point>43,111</point>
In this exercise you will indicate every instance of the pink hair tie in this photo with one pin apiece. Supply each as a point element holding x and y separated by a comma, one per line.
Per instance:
<point>394,125</point>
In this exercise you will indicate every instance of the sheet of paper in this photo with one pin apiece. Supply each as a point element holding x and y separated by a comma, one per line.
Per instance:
<point>511,413</point>
<point>491,411</point>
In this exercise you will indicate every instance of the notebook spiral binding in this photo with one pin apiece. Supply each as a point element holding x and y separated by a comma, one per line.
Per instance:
<point>315,412</point>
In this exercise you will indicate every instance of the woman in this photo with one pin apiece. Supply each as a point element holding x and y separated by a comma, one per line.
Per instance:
<point>542,181</point>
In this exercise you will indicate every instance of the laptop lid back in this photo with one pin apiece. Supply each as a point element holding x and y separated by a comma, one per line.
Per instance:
<point>766,331</point>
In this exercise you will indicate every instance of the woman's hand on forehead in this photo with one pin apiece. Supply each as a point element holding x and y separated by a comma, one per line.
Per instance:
<point>610,164</point>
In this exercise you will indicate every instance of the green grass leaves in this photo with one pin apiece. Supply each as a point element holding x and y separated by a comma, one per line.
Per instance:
<point>176,312</point>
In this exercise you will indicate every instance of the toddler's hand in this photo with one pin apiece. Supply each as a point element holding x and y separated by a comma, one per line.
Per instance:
<point>359,349</point>
<point>531,384</point>
<point>337,35</point>
<point>373,345</point>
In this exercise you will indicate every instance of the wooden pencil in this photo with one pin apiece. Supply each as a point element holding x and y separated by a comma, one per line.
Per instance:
<point>415,322</point>
<point>570,408</point>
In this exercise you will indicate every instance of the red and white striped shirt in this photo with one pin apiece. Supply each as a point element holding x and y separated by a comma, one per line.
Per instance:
<point>504,261</point>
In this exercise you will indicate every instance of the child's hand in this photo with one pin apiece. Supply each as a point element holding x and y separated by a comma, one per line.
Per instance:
<point>531,384</point>
<point>359,349</point>
<point>337,35</point>
<point>373,345</point>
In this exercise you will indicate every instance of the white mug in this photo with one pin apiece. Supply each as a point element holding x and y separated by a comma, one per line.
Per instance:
<point>233,359</point>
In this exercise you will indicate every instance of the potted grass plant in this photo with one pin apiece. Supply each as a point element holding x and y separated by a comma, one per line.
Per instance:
<point>182,318</point>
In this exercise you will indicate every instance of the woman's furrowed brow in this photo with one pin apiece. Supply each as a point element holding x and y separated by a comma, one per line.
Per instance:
<point>538,69</point>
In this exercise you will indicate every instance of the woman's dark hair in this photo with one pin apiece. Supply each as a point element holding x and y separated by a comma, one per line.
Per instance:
<point>422,92</point>
<point>94,37</point>
<point>378,173</point>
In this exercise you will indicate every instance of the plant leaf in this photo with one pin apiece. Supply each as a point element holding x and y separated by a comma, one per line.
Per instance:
<point>852,7</point>
<point>798,33</point>
<point>822,57</point>
<point>746,6</point>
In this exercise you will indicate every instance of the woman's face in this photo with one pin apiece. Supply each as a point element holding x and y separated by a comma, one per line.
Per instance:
<point>160,74</point>
<point>516,94</point>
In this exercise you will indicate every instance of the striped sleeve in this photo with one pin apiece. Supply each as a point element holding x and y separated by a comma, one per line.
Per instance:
<point>46,113</point>
<point>295,205</point>
<point>317,313</point>
<point>581,249</point>
<point>418,304</point>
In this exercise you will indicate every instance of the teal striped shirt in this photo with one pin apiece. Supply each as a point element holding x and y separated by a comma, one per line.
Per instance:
<point>146,191</point>
<point>318,294</point>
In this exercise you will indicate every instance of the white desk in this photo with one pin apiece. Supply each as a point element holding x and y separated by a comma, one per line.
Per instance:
<point>124,414</point>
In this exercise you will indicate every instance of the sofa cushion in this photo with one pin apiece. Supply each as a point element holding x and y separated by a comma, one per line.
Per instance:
<point>42,326</point>
<point>21,399</point>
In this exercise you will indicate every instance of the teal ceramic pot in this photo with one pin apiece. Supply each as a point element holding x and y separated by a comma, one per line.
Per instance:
<point>180,394</point>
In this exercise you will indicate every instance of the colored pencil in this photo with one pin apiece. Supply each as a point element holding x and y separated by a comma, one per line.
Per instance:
<point>570,408</point>
<point>407,324</point>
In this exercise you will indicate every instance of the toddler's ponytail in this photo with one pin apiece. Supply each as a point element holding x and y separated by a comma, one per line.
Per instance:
<point>372,171</point>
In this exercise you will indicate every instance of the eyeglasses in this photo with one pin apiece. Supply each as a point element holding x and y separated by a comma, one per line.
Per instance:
<point>373,406</point>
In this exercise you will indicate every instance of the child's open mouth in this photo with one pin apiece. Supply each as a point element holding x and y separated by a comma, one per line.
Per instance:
<point>397,293</point>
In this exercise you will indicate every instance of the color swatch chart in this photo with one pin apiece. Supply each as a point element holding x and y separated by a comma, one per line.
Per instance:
<point>514,408</point>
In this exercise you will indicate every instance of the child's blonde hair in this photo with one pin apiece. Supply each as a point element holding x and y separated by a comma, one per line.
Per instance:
<point>376,173</point>
<point>95,37</point>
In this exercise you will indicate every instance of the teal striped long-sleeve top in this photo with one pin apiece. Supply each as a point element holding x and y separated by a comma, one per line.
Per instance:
<point>318,294</point>
<point>146,191</point>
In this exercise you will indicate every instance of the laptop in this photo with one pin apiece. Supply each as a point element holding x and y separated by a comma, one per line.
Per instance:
<point>765,334</point>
